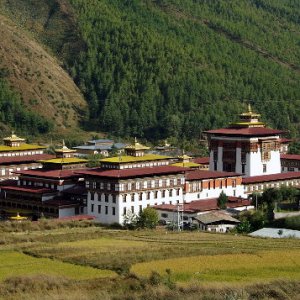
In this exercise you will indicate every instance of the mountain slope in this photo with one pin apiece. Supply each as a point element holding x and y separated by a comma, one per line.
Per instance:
<point>44,86</point>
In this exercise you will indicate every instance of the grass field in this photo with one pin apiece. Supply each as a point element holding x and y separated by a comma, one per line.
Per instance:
<point>217,266</point>
<point>14,263</point>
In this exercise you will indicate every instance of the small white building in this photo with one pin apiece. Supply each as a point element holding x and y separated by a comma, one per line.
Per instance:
<point>215,222</point>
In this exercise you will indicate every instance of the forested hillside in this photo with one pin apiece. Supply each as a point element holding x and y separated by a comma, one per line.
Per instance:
<point>174,68</point>
<point>162,68</point>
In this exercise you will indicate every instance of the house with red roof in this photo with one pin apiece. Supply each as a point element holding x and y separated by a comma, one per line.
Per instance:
<point>189,211</point>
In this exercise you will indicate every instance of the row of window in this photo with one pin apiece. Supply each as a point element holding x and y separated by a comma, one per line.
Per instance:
<point>136,165</point>
<point>135,185</point>
<point>9,171</point>
<point>163,194</point>
<point>198,185</point>
<point>105,197</point>
<point>261,187</point>
<point>21,153</point>
<point>39,184</point>
<point>106,209</point>
<point>134,197</point>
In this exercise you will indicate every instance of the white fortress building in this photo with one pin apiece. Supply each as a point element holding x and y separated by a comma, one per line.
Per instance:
<point>246,147</point>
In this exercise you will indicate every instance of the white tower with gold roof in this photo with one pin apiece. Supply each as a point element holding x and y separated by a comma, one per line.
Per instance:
<point>247,147</point>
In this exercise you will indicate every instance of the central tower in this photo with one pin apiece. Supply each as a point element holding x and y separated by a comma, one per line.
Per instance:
<point>247,147</point>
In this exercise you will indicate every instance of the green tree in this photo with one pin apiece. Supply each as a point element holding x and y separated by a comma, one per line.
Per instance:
<point>222,200</point>
<point>148,218</point>
<point>94,160</point>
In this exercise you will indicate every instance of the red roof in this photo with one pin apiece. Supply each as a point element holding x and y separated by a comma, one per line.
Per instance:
<point>202,174</point>
<point>272,177</point>
<point>204,205</point>
<point>252,131</point>
<point>28,189</point>
<point>201,160</point>
<point>290,156</point>
<point>131,173</point>
<point>284,140</point>
<point>24,159</point>
<point>45,173</point>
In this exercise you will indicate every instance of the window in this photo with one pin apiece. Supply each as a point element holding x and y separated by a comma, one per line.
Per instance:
<point>141,208</point>
<point>164,215</point>
<point>148,196</point>
<point>113,211</point>
<point>92,196</point>
<point>171,193</point>
<point>243,168</point>
<point>132,197</point>
<point>106,197</point>
<point>178,192</point>
<point>132,209</point>
<point>92,207</point>
<point>106,210</point>
<point>140,196</point>
<point>114,198</point>
<point>233,183</point>
<point>108,186</point>
<point>124,211</point>
<point>163,194</point>
<point>99,209</point>
<point>264,168</point>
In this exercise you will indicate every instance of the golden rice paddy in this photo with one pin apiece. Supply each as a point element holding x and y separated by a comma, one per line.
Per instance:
<point>261,266</point>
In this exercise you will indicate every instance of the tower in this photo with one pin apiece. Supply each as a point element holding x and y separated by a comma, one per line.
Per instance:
<point>247,147</point>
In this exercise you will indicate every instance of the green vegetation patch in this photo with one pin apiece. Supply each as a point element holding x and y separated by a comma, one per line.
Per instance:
<point>13,263</point>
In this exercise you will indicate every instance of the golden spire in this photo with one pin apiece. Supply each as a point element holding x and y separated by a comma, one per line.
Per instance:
<point>249,108</point>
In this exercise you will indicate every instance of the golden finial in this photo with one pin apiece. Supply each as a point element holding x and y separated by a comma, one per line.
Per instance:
<point>249,108</point>
<point>135,140</point>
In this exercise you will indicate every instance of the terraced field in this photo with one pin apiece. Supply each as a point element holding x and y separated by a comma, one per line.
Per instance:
<point>93,262</point>
<point>13,263</point>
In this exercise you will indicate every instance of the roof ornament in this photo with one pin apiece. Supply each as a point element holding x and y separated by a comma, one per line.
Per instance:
<point>249,108</point>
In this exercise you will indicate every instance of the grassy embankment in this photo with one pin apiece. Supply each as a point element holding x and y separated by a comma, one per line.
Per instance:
<point>75,257</point>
